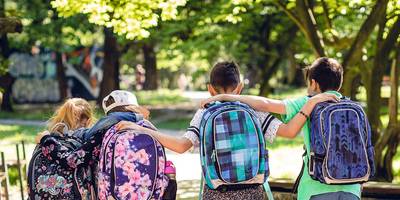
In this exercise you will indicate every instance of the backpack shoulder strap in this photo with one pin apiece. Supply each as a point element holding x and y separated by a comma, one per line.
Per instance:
<point>297,182</point>
<point>268,190</point>
<point>60,129</point>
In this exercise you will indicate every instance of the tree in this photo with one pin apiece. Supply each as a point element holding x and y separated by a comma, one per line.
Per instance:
<point>129,18</point>
<point>10,25</point>
<point>6,80</point>
<point>360,61</point>
<point>150,64</point>
<point>305,20</point>
<point>110,80</point>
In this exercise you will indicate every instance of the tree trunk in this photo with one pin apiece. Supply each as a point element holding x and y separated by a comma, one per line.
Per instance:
<point>110,80</point>
<point>61,78</point>
<point>386,147</point>
<point>312,33</point>
<point>381,62</point>
<point>353,55</point>
<point>10,25</point>
<point>60,69</point>
<point>6,80</point>
<point>265,88</point>
<point>295,75</point>
<point>150,65</point>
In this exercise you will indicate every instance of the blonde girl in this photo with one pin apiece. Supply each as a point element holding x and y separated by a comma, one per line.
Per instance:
<point>75,113</point>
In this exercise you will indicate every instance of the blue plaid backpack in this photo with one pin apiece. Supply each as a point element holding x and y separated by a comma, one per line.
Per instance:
<point>341,151</point>
<point>232,146</point>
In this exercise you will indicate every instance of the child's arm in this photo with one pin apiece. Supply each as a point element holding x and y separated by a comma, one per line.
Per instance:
<point>294,126</point>
<point>177,144</point>
<point>258,103</point>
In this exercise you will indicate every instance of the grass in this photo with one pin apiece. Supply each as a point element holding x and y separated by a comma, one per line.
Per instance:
<point>174,124</point>
<point>160,97</point>
<point>41,114</point>
<point>15,133</point>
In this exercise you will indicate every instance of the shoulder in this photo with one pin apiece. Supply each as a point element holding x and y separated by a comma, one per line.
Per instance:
<point>198,115</point>
<point>296,101</point>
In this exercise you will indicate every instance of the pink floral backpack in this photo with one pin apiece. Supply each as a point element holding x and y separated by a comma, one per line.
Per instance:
<point>131,166</point>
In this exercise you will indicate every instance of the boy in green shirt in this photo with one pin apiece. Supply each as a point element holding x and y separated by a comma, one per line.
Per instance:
<point>325,75</point>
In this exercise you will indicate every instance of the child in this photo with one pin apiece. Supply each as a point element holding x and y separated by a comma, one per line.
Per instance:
<point>118,105</point>
<point>75,113</point>
<point>325,75</point>
<point>225,79</point>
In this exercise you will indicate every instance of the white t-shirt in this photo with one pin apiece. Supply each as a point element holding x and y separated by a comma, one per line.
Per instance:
<point>269,126</point>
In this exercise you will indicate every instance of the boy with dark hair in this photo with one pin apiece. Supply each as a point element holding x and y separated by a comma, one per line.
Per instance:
<point>324,76</point>
<point>225,79</point>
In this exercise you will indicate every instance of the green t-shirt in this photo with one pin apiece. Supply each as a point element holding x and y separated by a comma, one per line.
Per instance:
<point>308,186</point>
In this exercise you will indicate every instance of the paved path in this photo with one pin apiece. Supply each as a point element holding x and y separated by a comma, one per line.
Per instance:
<point>22,122</point>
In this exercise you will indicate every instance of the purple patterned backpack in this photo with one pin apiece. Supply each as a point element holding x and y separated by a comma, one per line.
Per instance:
<point>341,151</point>
<point>131,166</point>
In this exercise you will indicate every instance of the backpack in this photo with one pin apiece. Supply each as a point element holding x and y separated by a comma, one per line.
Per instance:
<point>232,149</point>
<point>341,150</point>
<point>49,180</point>
<point>131,166</point>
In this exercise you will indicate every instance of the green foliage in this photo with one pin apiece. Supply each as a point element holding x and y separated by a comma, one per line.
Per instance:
<point>130,18</point>
<point>3,66</point>
<point>42,26</point>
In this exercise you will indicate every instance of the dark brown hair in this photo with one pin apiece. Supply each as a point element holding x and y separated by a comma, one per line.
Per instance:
<point>225,75</point>
<point>327,72</point>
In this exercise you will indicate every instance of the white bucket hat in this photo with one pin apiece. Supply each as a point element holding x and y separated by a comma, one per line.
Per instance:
<point>121,98</point>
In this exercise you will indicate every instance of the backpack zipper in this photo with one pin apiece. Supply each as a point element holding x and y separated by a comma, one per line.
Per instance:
<point>105,151</point>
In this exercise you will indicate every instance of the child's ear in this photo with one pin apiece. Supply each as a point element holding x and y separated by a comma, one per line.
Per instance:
<point>315,86</point>
<point>211,90</point>
<point>239,88</point>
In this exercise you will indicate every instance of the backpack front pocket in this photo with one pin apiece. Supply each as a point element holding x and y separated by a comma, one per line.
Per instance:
<point>236,146</point>
<point>346,159</point>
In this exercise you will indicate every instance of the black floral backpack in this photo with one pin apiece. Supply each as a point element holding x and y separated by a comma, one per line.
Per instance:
<point>48,179</point>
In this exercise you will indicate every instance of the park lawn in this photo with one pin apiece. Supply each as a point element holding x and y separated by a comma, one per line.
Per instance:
<point>15,133</point>
<point>40,114</point>
<point>162,97</point>
<point>174,124</point>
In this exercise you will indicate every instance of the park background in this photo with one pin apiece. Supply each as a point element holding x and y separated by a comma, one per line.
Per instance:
<point>162,51</point>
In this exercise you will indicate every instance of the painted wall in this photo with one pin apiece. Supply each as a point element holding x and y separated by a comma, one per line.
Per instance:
<point>36,80</point>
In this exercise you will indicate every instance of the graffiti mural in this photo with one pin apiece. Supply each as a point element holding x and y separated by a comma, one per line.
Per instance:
<point>36,77</point>
<point>84,72</point>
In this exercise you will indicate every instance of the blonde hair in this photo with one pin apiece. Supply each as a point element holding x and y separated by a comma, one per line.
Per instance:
<point>71,113</point>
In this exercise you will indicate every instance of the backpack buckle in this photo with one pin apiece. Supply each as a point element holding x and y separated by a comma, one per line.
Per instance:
<point>311,164</point>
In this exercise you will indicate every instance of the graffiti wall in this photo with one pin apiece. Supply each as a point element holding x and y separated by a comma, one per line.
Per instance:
<point>36,77</point>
